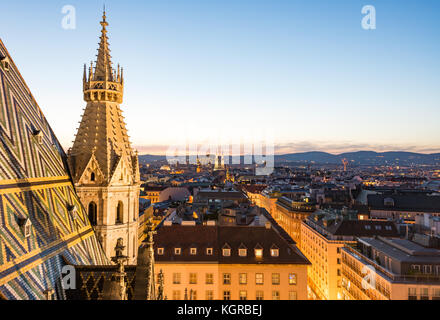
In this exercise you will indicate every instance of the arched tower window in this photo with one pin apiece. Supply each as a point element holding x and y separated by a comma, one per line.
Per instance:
<point>93,213</point>
<point>120,212</point>
<point>92,177</point>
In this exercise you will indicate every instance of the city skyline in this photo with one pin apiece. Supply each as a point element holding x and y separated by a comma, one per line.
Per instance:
<point>307,74</point>
<point>272,153</point>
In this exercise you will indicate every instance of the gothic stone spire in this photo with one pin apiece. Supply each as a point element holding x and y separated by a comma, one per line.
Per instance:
<point>104,83</point>
<point>102,128</point>
<point>103,66</point>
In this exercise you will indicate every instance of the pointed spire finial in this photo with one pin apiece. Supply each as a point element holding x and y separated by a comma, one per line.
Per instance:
<point>103,14</point>
<point>85,73</point>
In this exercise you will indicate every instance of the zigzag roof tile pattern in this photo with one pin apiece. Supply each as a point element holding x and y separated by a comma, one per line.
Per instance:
<point>43,225</point>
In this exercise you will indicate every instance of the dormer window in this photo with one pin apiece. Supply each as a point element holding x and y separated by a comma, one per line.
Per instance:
<point>258,253</point>
<point>73,211</point>
<point>38,135</point>
<point>28,228</point>
<point>274,252</point>
<point>242,252</point>
<point>226,252</point>
<point>5,63</point>
<point>177,251</point>
<point>193,251</point>
<point>209,251</point>
<point>160,251</point>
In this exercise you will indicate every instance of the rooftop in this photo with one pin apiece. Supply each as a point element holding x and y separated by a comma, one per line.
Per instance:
<point>403,250</point>
<point>201,238</point>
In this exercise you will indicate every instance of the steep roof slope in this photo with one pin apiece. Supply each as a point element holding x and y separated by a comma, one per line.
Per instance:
<point>42,222</point>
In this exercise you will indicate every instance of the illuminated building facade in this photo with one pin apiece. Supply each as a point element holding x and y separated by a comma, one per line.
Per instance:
<point>323,235</point>
<point>229,263</point>
<point>390,269</point>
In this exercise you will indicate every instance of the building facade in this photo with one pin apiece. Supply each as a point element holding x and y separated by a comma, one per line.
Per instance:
<point>323,235</point>
<point>210,262</point>
<point>104,167</point>
<point>390,269</point>
<point>289,214</point>
<point>403,206</point>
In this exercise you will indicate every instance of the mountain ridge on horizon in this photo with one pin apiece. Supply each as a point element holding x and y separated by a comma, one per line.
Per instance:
<point>357,157</point>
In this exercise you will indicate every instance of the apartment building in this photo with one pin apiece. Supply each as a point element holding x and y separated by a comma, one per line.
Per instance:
<point>404,206</point>
<point>390,269</point>
<point>289,214</point>
<point>212,262</point>
<point>323,235</point>
<point>153,192</point>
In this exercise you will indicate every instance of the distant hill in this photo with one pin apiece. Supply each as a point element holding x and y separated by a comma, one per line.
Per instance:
<point>149,158</point>
<point>363,158</point>
<point>358,158</point>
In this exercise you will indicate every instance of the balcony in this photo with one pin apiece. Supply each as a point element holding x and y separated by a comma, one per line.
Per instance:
<point>391,277</point>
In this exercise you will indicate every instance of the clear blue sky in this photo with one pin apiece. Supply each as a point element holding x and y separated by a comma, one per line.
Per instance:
<point>302,71</point>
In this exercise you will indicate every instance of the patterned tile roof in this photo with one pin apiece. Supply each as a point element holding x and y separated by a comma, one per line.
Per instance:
<point>42,222</point>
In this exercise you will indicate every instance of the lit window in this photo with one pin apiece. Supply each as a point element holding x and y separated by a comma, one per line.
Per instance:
<point>424,294</point>
<point>177,251</point>
<point>436,294</point>
<point>242,252</point>
<point>176,294</point>
<point>412,293</point>
<point>292,278</point>
<point>243,295</point>
<point>209,295</point>
<point>259,278</point>
<point>209,278</point>
<point>193,251</point>
<point>274,252</point>
<point>209,251</point>
<point>259,253</point>
<point>193,278</point>
<point>176,278</point>
<point>275,295</point>
<point>226,278</point>
<point>243,278</point>
<point>226,252</point>
<point>259,295</point>
<point>275,278</point>
<point>293,295</point>
<point>160,251</point>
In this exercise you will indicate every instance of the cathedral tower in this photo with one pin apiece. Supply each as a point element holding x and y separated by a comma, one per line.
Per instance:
<point>104,167</point>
